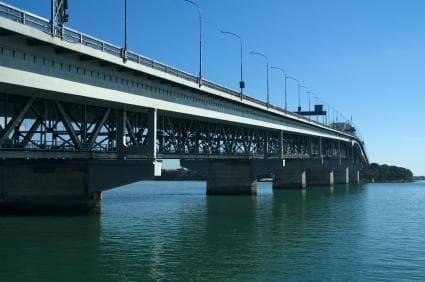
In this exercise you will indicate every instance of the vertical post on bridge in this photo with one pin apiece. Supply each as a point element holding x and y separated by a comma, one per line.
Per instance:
<point>151,142</point>
<point>52,17</point>
<point>58,16</point>
<point>320,149</point>
<point>339,153</point>
<point>281,145</point>
<point>310,146</point>
<point>266,144</point>
<point>121,144</point>
<point>153,128</point>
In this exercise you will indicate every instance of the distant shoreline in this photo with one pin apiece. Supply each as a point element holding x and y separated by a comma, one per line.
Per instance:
<point>187,175</point>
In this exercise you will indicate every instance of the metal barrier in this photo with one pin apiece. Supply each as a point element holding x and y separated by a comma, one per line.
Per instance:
<point>73,36</point>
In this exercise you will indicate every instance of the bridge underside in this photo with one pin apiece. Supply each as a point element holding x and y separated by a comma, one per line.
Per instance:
<point>58,185</point>
<point>60,154</point>
<point>42,126</point>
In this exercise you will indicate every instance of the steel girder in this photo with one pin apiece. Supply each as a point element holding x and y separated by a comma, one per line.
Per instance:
<point>184,136</point>
<point>31,124</point>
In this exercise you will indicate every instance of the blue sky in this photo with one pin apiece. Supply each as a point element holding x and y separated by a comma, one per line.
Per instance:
<point>366,58</point>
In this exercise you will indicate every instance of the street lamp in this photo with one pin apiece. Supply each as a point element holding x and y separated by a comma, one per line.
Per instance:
<point>316,98</point>
<point>316,102</point>
<point>124,55</point>
<point>309,99</point>
<point>325,105</point>
<point>309,93</point>
<point>290,78</point>
<point>200,39</point>
<point>267,65</point>
<point>327,117</point>
<point>333,115</point>
<point>284,75</point>
<point>299,95</point>
<point>241,83</point>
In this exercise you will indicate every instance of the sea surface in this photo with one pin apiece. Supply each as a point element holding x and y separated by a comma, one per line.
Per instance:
<point>173,231</point>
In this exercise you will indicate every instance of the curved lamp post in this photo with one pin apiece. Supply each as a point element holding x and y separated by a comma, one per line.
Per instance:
<point>267,65</point>
<point>309,99</point>
<point>241,83</point>
<point>200,38</point>
<point>316,99</point>
<point>124,51</point>
<point>284,75</point>
<point>291,78</point>
<point>326,108</point>
<point>299,95</point>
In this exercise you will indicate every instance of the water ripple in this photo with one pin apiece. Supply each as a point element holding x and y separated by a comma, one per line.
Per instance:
<point>172,231</point>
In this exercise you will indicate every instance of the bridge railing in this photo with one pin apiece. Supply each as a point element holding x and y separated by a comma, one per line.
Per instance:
<point>77,37</point>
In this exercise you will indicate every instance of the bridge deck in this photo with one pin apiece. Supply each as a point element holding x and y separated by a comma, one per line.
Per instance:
<point>229,106</point>
<point>150,66</point>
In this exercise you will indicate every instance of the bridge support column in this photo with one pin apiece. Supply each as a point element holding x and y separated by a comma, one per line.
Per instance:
<point>64,186</point>
<point>46,187</point>
<point>292,176</point>
<point>342,175</point>
<point>354,175</point>
<point>231,177</point>
<point>320,175</point>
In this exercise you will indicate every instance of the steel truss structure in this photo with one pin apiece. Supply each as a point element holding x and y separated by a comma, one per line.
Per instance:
<point>35,124</point>
<point>31,124</point>
<point>184,136</point>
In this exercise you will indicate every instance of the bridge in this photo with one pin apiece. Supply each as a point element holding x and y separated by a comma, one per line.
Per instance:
<point>79,115</point>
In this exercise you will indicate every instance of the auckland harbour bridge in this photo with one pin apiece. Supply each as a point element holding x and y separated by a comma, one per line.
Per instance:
<point>79,115</point>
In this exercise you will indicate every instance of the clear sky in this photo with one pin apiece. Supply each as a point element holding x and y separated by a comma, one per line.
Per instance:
<point>365,57</point>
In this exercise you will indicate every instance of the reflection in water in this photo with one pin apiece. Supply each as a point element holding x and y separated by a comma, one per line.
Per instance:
<point>307,234</point>
<point>162,230</point>
<point>49,248</point>
<point>230,234</point>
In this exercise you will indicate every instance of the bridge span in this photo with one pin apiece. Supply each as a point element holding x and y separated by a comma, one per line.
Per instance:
<point>79,116</point>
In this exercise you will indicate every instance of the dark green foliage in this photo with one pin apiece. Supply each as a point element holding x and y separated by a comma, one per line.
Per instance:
<point>181,174</point>
<point>385,173</point>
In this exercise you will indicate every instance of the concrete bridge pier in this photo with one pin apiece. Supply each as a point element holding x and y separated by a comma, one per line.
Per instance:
<point>292,176</point>
<point>320,174</point>
<point>64,186</point>
<point>42,187</point>
<point>231,177</point>
<point>341,174</point>
<point>354,174</point>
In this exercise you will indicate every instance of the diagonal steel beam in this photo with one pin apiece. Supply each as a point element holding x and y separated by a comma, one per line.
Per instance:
<point>11,125</point>
<point>30,133</point>
<point>130,132</point>
<point>68,126</point>
<point>98,128</point>
<point>37,122</point>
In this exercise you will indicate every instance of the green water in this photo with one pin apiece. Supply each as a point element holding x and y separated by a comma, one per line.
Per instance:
<point>171,230</point>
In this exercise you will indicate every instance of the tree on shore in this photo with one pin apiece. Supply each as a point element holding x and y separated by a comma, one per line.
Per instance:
<point>385,173</point>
